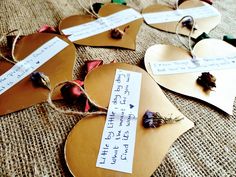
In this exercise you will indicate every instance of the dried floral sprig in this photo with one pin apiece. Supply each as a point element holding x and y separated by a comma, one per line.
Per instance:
<point>39,79</point>
<point>189,24</point>
<point>155,119</point>
<point>118,33</point>
<point>207,81</point>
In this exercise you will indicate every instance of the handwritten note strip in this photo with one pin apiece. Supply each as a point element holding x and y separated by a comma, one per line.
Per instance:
<point>25,67</point>
<point>175,15</point>
<point>101,24</point>
<point>188,66</point>
<point>118,139</point>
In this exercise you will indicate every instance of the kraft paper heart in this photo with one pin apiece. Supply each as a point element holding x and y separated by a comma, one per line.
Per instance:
<point>59,68</point>
<point>185,83</point>
<point>83,142</point>
<point>104,38</point>
<point>205,24</point>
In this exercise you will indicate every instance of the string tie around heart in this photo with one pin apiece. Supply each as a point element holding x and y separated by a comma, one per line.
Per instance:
<point>103,110</point>
<point>93,13</point>
<point>13,60</point>
<point>174,6</point>
<point>189,46</point>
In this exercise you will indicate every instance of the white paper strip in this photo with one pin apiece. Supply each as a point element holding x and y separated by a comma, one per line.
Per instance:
<point>101,24</point>
<point>36,59</point>
<point>188,66</point>
<point>175,15</point>
<point>118,139</point>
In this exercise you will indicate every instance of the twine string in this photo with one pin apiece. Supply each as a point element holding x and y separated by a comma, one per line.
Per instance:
<point>50,102</point>
<point>171,5</point>
<point>14,60</point>
<point>93,13</point>
<point>189,46</point>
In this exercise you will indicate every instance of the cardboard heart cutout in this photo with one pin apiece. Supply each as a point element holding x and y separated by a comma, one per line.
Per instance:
<point>83,142</point>
<point>202,24</point>
<point>59,68</point>
<point>223,95</point>
<point>104,39</point>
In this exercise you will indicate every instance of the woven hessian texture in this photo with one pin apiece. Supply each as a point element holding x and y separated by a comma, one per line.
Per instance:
<point>32,140</point>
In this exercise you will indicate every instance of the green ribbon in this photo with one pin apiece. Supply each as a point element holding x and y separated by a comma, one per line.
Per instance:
<point>122,2</point>
<point>230,39</point>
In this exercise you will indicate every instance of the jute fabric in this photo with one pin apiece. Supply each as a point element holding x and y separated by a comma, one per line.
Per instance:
<point>32,140</point>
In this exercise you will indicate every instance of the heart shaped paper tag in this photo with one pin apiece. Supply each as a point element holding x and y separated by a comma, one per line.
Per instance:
<point>185,83</point>
<point>151,145</point>
<point>86,35</point>
<point>205,16</point>
<point>59,68</point>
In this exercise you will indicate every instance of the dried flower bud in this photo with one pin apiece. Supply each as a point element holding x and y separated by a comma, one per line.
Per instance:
<point>39,79</point>
<point>188,24</point>
<point>207,81</point>
<point>154,119</point>
<point>72,93</point>
<point>117,33</point>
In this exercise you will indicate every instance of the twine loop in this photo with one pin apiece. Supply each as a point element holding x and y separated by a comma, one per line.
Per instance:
<point>4,35</point>
<point>189,46</point>
<point>93,13</point>
<point>103,110</point>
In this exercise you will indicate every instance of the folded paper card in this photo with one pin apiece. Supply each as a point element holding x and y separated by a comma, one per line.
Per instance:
<point>87,30</point>
<point>151,145</point>
<point>165,18</point>
<point>51,54</point>
<point>174,69</point>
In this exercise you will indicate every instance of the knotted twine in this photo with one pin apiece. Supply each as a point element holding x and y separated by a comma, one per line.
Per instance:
<point>189,46</point>
<point>13,60</point>
<point>103,110</point>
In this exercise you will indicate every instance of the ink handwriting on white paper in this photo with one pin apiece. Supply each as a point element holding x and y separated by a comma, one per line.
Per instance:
<point>188,66</point>
<point>118,139</point>
<point>33,61</point>
<point>102,24</point>
<point>175,15</point>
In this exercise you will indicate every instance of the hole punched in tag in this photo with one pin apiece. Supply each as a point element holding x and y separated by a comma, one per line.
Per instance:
<point>115,33</point>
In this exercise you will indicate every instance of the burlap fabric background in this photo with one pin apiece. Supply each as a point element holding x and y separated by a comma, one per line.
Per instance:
<point>32,140</point>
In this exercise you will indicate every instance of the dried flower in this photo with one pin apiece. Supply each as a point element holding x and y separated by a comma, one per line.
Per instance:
<point>207,81</point>
<point>92,64</point>
<point>47,29</point>
<point>188,24</point>
<point>117,33</point>
<point>39,79</point>
<point>72,93</point>
<point>154,119</point>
